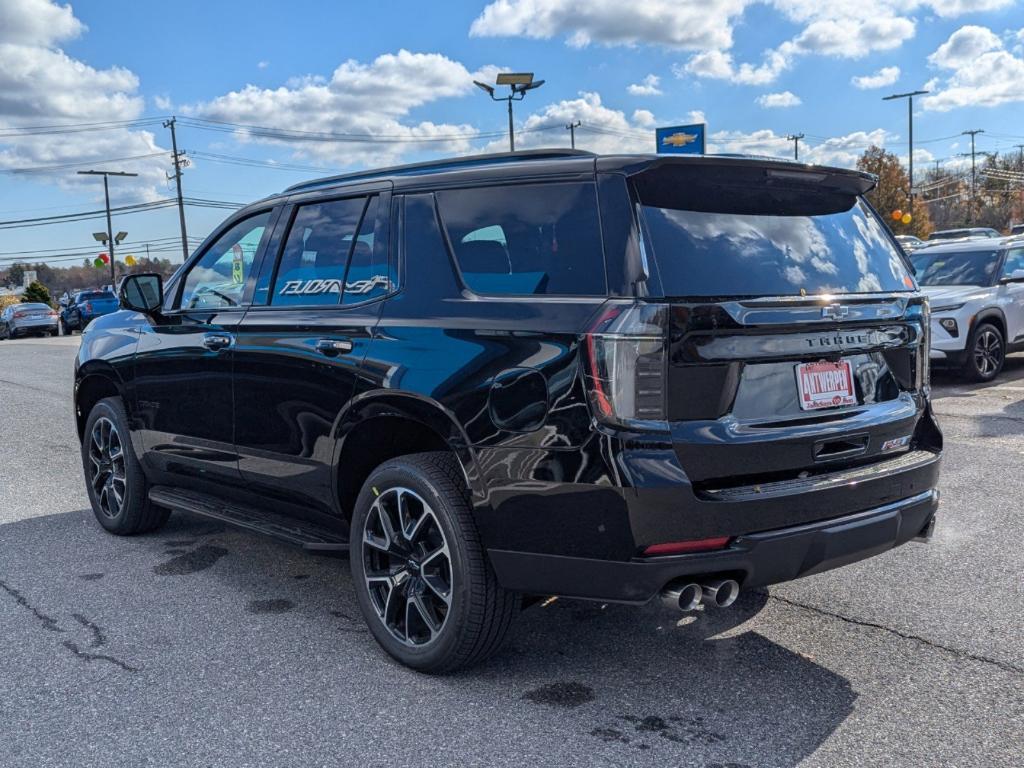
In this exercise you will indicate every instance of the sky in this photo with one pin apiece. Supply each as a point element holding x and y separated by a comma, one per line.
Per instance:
<point>89,85</point>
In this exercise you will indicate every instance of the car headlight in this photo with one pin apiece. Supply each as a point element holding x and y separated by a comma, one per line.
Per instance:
<point>948,307</point>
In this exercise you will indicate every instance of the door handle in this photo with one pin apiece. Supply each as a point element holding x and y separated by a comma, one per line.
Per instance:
<point>216,341</point>
<point>333,347</point>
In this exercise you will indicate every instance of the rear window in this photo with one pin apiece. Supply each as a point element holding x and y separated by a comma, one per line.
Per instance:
<point>95,296</point>
<point>526,239</point>
<point>960,268</point>
<point>787,249</point>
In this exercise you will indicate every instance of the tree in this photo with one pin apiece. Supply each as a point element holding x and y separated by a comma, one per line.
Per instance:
<point>892,192</point>
<point>36,292</point>
<point>7,300</point>
<point>15,274</point>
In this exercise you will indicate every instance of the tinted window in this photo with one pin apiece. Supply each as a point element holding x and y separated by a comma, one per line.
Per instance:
<point>368,274</point>
<point>526,239</point>
<point>95,295</point>
<point>217,280</point>
<point>778,252</point>
<point>316,251</point>
<point>963,268</point>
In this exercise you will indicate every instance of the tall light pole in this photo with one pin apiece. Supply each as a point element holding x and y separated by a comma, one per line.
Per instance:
<point>519,83</point>
<point>910,119</point>
<point>110,229</point>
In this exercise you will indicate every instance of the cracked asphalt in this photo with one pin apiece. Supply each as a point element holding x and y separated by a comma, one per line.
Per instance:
<point>205,646</point>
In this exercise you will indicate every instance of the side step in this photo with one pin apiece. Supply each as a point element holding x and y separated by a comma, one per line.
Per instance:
<point>291,530</point>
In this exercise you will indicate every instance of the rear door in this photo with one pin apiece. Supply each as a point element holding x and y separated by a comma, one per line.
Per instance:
<point>300,347</point>
<point>796,332</point>
<point>183,362</point>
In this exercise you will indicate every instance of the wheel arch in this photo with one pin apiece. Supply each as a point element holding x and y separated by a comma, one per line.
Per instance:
<point>91,386</point>
<point>992,315</point>
<point>379,426</point>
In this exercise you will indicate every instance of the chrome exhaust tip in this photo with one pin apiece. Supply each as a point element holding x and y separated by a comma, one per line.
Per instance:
<point>682,597</point>
<point>721,593</point>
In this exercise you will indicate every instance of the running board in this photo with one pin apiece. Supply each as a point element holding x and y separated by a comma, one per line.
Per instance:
<point>309,536</point>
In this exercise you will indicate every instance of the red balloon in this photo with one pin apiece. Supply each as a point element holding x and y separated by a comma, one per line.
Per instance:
<point>105,258</point>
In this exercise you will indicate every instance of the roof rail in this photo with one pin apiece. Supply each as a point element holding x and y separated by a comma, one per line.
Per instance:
<point>452,163</point>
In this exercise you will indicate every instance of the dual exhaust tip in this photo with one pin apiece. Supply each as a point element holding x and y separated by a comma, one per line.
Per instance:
<point>720,593</point>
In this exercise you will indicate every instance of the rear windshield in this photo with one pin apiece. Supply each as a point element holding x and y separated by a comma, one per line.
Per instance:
<point>788,249</point>
<point>95,296</point>
<point>33,306</point>
<point>959,268</point>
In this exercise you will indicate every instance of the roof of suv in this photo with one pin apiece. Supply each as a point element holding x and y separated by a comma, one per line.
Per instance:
<point>960,245</point>
<point>573,160</point>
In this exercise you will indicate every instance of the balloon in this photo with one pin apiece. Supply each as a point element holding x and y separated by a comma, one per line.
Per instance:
<point>129,260</point>
<point>104,258</point>
<point>99,263</point>
<point>897,215</point>
<point>907,218</point>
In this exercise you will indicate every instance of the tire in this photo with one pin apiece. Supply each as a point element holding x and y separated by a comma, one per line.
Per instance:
<point>117,487</point>
<point>406,580</point>
<point>64,330</point>
<point>986,353</point>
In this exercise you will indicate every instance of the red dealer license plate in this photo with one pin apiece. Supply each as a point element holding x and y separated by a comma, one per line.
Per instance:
<point>825,385</point>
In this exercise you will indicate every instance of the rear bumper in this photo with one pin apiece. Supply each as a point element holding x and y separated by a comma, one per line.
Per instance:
<point>756,559</point>
<point>34,326</point>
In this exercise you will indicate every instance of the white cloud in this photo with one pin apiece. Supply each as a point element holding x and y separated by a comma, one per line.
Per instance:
<point>40,85</point>
<point>647,87</point>
<point>952,8</point>
<point>980,72</point>
<point>718,65</point>
<point>603,129</point>
<point>841,151</point>
<point>262,64</point>
<point>669,23</point>
<point>778,100</point>
<point>881,78</point>
<point>163,103</point>
<point>373,99</point>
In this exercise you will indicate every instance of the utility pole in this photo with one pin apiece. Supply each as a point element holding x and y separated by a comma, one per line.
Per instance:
<point>795,138</point>
<point>974,188</point>
<point>110,228</point>
<point>571,128</point>
<point>179,162</point>
<point>910,121</point>
<point>1020,158</point>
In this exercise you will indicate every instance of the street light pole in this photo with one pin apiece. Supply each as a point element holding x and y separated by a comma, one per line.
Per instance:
<point>519,83</point>
<point>910,120</point>
<point>106,199</point>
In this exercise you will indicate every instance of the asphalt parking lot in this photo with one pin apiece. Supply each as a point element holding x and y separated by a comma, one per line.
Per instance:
<point>204,646</point>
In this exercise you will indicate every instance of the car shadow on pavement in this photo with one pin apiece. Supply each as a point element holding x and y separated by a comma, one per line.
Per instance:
<point>243,614</point>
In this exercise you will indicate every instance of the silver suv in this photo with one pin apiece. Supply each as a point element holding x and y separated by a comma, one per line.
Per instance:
<point>976,289</point>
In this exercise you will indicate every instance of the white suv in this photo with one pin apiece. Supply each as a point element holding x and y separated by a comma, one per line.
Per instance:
<point>976,290</point>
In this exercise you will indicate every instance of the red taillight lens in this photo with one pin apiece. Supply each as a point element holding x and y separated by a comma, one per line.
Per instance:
<point>53,313</point>
<point>626,365</point>
<point>686,547</point>
<point>20,314</point>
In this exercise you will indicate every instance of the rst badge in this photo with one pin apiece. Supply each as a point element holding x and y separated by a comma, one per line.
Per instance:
<point>895,444</point>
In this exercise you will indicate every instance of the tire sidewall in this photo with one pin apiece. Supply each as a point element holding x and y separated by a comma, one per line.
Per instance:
<point>972,368</point>
<point>403,474</point>
<point>135,497</point>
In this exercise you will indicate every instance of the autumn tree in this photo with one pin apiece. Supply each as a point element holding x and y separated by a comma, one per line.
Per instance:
<point>892,193</point>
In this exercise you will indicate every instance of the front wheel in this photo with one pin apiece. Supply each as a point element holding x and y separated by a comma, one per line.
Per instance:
<point>422,579</point>
<point>986,353</point>
<point>117,487</point>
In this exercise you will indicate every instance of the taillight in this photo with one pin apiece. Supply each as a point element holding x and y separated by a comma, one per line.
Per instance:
<point>686,547</point>
<point>53,313</point>
<point>20,314</point>
<point>626,363</point>
<point>924,367</point>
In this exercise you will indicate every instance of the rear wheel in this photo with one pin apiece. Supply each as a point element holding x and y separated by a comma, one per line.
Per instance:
<point>116,485</point>
<point>986,352</point>
<point>422,579</point>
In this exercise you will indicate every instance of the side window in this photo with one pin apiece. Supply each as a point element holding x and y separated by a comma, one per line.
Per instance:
<point>316,251</point>
<point>1014,261</point>
<point>526,239</point>
<point>367,276</point>
<point>217,280</point>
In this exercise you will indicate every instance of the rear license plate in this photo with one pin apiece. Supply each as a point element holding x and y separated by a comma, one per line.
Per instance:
<point>825,385</point>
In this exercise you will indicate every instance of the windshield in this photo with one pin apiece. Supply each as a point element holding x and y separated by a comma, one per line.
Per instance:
<point>742,254</point>
<point>957,268</point>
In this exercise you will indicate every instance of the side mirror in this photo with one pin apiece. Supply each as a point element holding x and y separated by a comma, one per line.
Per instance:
<point>1017,276</point>
<point>142,293</point>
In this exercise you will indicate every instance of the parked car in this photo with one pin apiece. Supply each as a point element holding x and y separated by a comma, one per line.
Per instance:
<point>547,373</point>
<point>85,306</point>
<point>956,234</point>
<point>28,319</point>
<point>1016,229</point>
<point>976,290</point>
<point>909,242</point>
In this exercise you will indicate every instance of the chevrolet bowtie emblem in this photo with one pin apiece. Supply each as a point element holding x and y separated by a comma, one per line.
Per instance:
<point>835,311</point>
<point>679,139</point>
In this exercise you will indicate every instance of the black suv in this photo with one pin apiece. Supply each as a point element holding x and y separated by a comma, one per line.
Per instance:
<point>547,373</point>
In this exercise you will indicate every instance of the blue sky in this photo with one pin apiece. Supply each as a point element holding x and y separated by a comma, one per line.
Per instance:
<point>755,71</point>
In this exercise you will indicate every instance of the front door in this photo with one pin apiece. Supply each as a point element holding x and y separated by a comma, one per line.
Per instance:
<point>298,355</point>
<point>183,364</point>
